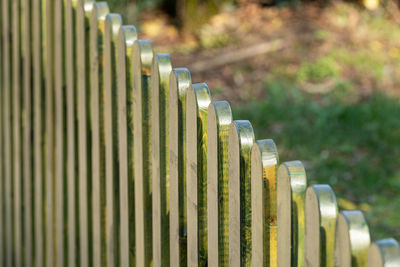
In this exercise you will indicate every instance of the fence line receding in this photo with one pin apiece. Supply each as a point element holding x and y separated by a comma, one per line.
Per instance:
<point>111,156</point>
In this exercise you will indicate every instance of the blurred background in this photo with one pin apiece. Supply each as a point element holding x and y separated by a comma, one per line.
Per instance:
<point>321,78</point>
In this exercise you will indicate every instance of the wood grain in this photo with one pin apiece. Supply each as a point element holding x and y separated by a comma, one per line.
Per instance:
<point>96,42</point>
<point>112,25</point>
<point>241,139</point>
<point>126,39</point>
<point>352,239</point>
<point>161,70</point>
<point>264,166</point>
<point>142,61</point>
<point>384,253</point>
<point>291,194</point>
<point>180,82</point>
<point>321,215</point>
<point>198,99</point>
<point>219,119</point>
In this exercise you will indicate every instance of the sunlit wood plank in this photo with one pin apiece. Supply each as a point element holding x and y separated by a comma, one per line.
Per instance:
<point>112,26</point>
<point>7,129</point>
<point>219,119</point>
<point>72,128</point>
<point>384,253</point>
<point>142,61</point>
<point>83,15</point>
<point>38,88</point>
<point>26,42</point>
<point>291,195</point>
<point>352,239</point>
<point>241,139</point>
<point>321,214</point>
<point>97,22</point>
<point>264,166</point>
<point>180,82</point>
<point>161,70</point>
<point>198,99</point>
<point>126,39</point>
<point>16,136</point>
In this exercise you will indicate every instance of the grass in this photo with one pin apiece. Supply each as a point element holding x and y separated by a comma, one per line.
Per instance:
<point>353,147</point>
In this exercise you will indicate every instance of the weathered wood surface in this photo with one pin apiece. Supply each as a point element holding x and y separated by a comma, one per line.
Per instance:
<point>112,26</point>
<point>321,215</point>
<point>126,39</point>
<point>72,140</point>
<point>83,13</point>
<point>27,119</point>
<point>39,134</point>
<point>219,119</point>
<point>180,82</point>
<point>198,99</point>
<point>97,24</point>
<point>352,239</point>
<point>264,166</point>
<point>16,134</point>
<point>111,157</point>
<point>160,71</point>
<point>142,61</point>
<point>291,195</point>
<point>241,139</point>
<point>384,253</point>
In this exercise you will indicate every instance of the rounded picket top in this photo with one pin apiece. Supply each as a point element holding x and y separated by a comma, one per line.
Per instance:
<point>264,165</point>
<point>141,67</point>
<point>160,73</point>
<point>179,83</point>
<point>321,215</point>
<point>384,253</point>
<point>291,196</point>
<point>241,140</point>
<point>352,239</point>
<point>219,119</point>
<point>99,13</point>
<point>198,100</point>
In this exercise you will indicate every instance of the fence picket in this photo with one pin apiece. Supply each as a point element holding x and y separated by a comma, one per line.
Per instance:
<point>321,214</point>
<point>111,157</point>
<point>291,194</point>
<point>384,253</point>
<point>161,70</point>
<point>352,239</point>
<point>198,99</point>
<point>2,152</point>
<point>26,7</point>
<point>99,13</point>
<point>219,119</point>
<point>72,134</point>
<point>241,139</point>
<point>142,61</point>
<point>83,14</point>
<point>60,137</point>
<point>7,129</point>
<point>264,165</point>
<point>39,134</point>
<point>180,82</point>
<point>112,25</point>
<point>16,135</point>
<point>47,22</point>
<point>126,39</point>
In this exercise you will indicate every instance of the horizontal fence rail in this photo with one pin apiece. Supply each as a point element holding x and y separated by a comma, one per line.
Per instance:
<point>110,156</point>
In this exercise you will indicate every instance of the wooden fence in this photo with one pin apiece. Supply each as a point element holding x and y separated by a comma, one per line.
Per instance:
<point>110,156</point>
